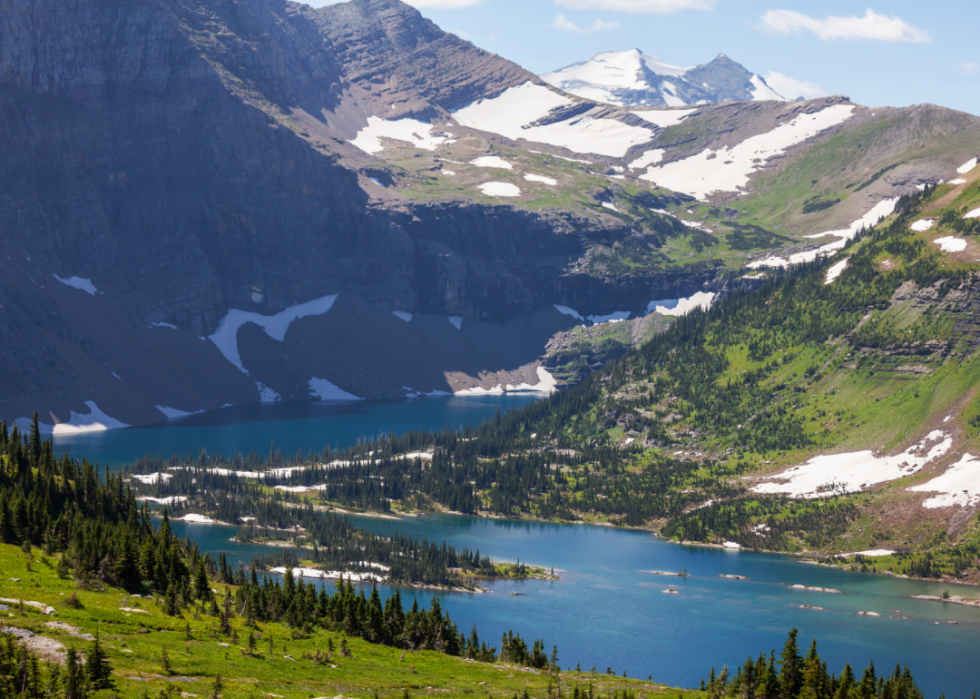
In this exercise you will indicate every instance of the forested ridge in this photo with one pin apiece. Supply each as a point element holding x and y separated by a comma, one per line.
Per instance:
<point>665,436</point>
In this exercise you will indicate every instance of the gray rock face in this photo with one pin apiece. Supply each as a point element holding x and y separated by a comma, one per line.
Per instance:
<point>182,155</point>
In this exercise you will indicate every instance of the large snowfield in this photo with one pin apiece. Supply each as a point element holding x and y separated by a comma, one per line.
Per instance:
<point>729,169</point>
<point>513,112</point>
<point>833,474</point>
<point>418,133</point>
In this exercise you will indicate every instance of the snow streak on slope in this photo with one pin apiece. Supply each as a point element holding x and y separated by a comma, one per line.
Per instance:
<point>79,283</point>
<point>546,384</point>
<point>959,485</point>
<point>681,307</point>
<point>729,169</point>
<point>418,133</point>
<point>94,421</point>
<point>831,474</point>
<point>513,114</point>
<point>324,390</point>
<point>878,211</point>
<point>225,337</point>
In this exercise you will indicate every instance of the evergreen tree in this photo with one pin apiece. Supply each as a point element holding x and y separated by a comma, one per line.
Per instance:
<point>97,666</point>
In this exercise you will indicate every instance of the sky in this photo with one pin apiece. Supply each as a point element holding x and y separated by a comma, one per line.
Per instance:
<point>881,53</point>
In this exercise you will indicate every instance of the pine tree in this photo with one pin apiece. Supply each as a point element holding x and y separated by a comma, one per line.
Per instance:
<point>97,666</point>
<point>202,588</point>
<point>790,673</point>
<point>74,683</point>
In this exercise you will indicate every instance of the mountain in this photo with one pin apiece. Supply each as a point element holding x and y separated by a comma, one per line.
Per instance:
<point>833,413</point>
<point>211,202</point>
<point>637,79</point>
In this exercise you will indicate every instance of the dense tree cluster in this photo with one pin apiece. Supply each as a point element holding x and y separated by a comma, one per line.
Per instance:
<point>300,605</point>
<point>797,676</point>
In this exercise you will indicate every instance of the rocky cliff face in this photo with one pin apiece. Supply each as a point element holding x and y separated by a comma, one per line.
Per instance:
<point>184,158</point>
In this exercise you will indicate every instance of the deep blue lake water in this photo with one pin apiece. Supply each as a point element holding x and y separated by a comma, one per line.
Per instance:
<point>305,425</point>
<point>604,611</point>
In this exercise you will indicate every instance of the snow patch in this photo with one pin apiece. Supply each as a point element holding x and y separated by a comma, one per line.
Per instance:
<point>835,271</point>
<point>681,307</point>
<point>318,574</point>
<point>923,224</point>
<point>609,205</point>
<point>500,189</point>
<point>151,478</point>
<point>729,169</point>
<point>873,553</point>
<point>878,211</point>
<point>973,214</point>
<point>832,474</point>
<point>669,93</point>
<point>376,181</point>
<point>614,317</point>
<point>951,244</point>
<point>761,92</point>
<point>163,325</point>
<point>404,315</point>
<point>94,421</point>
<point>546,384</point>
<point>79,283</point>
<point>457,321</point>
<point>967,166</point>
<point>172,499</point>
<point>647,159</point>
<point>958,180</point>
<point>418,133</point>
<point>569,312</point>
<point>959,485</point>
<point>266,394</point>
<point>492,161</point>
<point>173,413</point>
<point>514,113</point>
<point>448,173</point>
<point>550,181</point>
<point>196,519</point>
<point>324,390</point>
<point>225,337</point>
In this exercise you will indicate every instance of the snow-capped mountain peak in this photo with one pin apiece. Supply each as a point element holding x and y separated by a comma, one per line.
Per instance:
<point>637,79</point>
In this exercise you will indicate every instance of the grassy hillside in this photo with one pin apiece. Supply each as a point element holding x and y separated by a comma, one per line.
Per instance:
<point>283,662</point>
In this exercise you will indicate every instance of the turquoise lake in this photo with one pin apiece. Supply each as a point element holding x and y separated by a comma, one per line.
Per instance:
<point>605,611</point>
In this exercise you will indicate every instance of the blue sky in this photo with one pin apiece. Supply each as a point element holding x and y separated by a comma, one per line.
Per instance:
<point>895,53</point>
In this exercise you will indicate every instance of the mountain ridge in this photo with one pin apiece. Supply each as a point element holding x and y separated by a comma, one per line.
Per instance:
<point>636,79</point>
<point>185,159</point>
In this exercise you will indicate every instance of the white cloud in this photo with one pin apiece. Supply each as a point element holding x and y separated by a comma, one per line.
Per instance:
<point>443,4</point>
<point>657,7</point>
<point>566,25</point>
<point>790,88</point>
<point>967,68</point>
<point>872,26</point>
